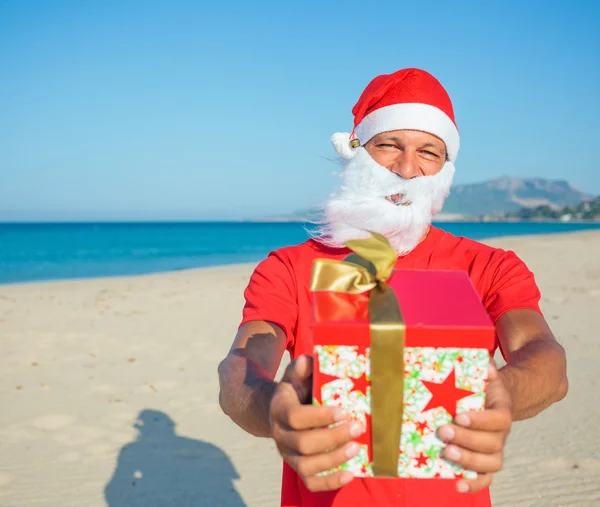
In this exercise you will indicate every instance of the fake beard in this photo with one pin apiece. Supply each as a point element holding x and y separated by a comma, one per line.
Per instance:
<point>361,204</point>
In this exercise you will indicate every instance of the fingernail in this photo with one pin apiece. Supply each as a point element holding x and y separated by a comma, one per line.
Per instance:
<point>340,415</point>
<point>463,420</point>
<point>452,453</point>
<point>346,477</point>
<point>446,433</point>
<point>462,487</point>
<point>352,449</point>
<point>356,429</point>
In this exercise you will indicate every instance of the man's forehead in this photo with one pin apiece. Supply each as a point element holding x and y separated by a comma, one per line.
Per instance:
<point>418,135</point>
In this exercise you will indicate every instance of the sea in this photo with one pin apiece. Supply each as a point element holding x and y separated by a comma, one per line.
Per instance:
<point>31,252</point>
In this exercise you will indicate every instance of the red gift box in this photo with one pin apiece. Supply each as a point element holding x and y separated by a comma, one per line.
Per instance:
<point>448,337</point>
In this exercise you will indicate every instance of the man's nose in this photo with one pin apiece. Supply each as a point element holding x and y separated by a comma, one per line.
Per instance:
<point>405,165</point>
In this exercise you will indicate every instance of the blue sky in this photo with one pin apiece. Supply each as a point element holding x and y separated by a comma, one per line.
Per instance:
<point>178,110</point>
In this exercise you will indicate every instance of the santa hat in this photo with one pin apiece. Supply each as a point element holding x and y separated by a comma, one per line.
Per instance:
<point>409,99</point>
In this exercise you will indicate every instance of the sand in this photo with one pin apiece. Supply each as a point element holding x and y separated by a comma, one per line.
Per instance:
<point>109,392</point>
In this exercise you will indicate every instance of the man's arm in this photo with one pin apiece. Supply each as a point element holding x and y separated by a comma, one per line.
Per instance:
<point>536,371</point>
<point>246,376</point>
<point>310,439</point>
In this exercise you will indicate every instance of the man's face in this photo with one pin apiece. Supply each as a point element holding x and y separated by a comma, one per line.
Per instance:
<point>408,153</point>
<point>393,185</point>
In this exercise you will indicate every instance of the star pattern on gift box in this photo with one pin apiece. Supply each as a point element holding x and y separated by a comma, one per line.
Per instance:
<point>422,426</point>
<point>343,362</point>
<point>422,460</point>
<point>445,394</point>
<point>439,383</point>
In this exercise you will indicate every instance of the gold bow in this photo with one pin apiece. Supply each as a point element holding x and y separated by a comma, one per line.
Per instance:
<point>368,269</point>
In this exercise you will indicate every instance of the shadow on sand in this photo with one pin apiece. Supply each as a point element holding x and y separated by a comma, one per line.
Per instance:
<point>163,469</point>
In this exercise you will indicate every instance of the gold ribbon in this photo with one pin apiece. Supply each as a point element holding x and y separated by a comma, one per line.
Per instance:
<point>368,269</point>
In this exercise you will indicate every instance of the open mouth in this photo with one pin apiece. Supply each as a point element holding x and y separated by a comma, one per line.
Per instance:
<point>398,200</point>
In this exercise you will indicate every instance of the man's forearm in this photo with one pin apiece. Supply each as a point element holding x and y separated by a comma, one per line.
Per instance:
<point>535,377</point>
<point>245,394</point>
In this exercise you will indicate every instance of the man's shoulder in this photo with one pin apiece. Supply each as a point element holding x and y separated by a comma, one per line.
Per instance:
<point>296,260</point>
<point>307,251</point>
<point>485,263</point>
<point>461,245</point>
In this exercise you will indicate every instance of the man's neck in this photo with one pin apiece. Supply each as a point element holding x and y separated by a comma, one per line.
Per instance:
<point>425,234</point>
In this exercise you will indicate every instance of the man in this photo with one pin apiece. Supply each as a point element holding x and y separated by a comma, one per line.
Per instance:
<point>398,171</point>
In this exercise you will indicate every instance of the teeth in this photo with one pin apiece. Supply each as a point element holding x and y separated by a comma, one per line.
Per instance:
<point>397,199</point>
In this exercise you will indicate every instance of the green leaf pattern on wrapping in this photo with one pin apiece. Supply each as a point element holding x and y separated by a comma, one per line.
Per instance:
<point>420,449</point>
<point>341,361</point>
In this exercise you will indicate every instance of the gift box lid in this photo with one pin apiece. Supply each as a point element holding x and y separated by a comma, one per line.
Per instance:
<point>440,308</point>
<point>438,298</point>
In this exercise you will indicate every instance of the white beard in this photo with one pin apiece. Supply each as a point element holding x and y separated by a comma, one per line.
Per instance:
<point>360,204</point>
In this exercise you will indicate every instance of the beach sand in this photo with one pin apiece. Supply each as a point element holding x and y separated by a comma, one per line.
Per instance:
<point>82,361</point>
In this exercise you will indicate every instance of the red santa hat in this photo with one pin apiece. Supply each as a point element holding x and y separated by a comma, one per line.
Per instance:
<point>409,99</point>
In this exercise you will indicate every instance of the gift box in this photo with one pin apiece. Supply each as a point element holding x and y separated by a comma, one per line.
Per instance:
<point>403,351</point>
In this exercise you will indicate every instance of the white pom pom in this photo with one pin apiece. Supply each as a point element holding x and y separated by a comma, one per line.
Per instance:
<point>341,143</point>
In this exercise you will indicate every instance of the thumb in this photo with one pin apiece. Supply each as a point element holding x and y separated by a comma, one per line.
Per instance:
<point>299,375</point>
<point>497,395</point>
<point>492,369</point>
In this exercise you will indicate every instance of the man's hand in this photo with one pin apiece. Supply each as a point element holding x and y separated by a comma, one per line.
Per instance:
<point>302,434</point>
<point>476,440</point>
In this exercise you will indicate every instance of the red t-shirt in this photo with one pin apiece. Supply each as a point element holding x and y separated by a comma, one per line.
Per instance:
<point>278,292</point>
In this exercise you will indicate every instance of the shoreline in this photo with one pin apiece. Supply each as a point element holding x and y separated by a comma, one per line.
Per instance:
<point>438,219</point>
<point>251,264</point>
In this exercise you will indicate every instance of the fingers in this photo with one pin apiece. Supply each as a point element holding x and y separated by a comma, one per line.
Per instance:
<point>476,461</point>
<point>473,485</point>
<point>298,375</point>
<point>309,466</point>
<point>307,436</point>
<point>303,417</point>
<point>473,449</point>
<point>328,482</point>
<point>492,369</point>
<point>477,438</point>
<point>476,441</point>
<point>301,431</point>
<point>485,420</point>
<point>299,370</point>
<point>497,396</point>
<point>317,441</point>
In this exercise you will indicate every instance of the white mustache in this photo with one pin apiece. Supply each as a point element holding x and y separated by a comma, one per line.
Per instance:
<point>375,181</point>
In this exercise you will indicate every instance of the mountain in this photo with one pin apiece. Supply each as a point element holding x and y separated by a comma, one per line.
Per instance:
<point>587,210</point>
<point>497,197</point>
<point>506,195</point>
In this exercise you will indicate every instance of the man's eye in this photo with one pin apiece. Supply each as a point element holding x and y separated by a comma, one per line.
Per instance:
<point>386,145</point>
<point>429,153</point>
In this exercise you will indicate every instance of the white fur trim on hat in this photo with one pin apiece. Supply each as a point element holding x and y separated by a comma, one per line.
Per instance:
<point>341,143</point>
<point>410,116</point>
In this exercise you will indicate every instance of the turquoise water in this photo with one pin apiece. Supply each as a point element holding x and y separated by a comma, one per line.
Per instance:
<point>33,252</point>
